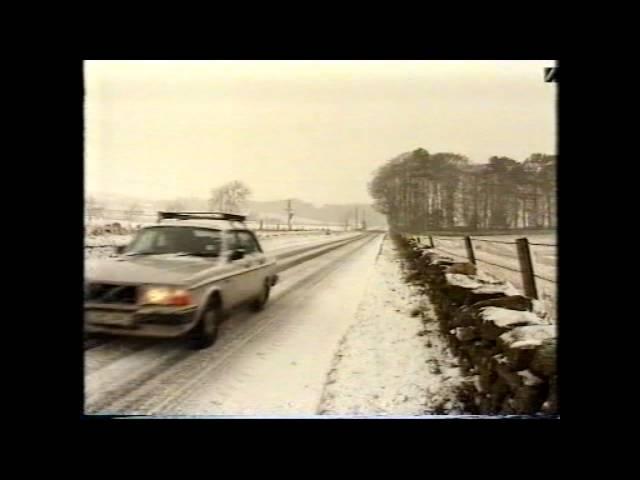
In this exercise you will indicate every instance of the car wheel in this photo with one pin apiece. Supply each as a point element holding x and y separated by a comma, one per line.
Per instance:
<point>261,301</point>
<point>206,332</point>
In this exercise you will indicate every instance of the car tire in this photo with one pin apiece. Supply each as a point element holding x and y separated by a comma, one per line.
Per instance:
<point>206,332</point>
<point>261,301</point>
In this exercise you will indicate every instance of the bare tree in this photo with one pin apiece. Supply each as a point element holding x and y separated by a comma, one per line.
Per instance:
<point>230,197</point>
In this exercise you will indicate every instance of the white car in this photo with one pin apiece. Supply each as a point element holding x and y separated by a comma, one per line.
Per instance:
<point>178,277</point>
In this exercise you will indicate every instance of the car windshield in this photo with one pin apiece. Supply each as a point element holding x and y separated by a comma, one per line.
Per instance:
<point>177,240</point>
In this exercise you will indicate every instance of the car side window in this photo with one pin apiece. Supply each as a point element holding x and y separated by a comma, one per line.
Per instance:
<point>144,241</point>
<point>247,242</point>
<point>232,240</point>
<point>208,241</point>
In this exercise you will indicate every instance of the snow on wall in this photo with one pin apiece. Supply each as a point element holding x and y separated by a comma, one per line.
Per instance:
<point>505,340</point>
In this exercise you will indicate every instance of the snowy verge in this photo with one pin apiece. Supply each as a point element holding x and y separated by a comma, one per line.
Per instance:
<point>392,361</point>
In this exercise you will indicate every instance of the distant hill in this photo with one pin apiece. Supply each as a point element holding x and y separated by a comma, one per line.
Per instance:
<point>269,211</point>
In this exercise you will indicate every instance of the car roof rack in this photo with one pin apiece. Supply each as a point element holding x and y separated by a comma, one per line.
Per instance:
<point>201,216</point>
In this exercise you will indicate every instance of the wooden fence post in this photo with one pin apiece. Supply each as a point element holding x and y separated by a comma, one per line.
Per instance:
<point>526,267</point>
<point>470,253</point>
<point>433,245</point>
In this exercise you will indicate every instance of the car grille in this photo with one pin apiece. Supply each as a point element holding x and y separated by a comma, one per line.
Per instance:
<point>110,293</point>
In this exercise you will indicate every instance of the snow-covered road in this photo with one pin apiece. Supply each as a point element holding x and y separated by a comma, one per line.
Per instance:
<point>301,328</point>
<point>327,332</point>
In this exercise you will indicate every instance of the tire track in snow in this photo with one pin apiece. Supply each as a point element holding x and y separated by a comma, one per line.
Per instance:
<point>113,350</point>
<point>107,384</point>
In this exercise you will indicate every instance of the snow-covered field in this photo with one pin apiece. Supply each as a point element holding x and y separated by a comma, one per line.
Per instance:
<point>494,257</point>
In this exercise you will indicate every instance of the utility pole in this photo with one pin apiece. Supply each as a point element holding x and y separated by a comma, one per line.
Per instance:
<point>355,224</point>
<point>289,213</point>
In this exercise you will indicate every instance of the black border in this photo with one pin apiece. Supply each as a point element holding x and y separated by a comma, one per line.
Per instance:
<point>73,87</point>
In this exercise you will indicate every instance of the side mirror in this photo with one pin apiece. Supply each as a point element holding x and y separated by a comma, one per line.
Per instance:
<point>236,254</point>
<point>120,249</point>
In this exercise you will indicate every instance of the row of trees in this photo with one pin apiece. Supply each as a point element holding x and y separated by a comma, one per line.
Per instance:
<point>420,191</point>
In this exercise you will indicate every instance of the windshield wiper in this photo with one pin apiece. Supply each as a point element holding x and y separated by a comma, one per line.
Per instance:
<point>196,254</point>
<point>177,254</point>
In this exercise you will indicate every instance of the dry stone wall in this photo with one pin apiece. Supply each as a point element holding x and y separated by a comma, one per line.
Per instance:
<point>504,340</point>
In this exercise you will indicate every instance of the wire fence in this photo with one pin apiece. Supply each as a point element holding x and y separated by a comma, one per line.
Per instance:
<point>544,278</point>
<point>474,258</point>
<point>492,241</point>
<point>498,265</point>
<point>514,260</point>
<point>451,253</point>
<point>505,242</point>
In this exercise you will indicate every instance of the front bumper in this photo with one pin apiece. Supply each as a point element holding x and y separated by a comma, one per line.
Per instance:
<point>160,321</point>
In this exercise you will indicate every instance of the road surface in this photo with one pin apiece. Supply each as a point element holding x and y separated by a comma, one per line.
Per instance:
<point>273,363</point>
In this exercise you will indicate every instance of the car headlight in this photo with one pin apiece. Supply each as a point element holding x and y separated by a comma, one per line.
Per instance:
<point>166,296</point>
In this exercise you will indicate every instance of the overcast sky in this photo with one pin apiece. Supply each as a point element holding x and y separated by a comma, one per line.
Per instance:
<point>313,130</point>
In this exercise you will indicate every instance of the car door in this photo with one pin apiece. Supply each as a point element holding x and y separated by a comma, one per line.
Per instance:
<point>259,259</point>
<point>234,270</point>
<point>254,276</point>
